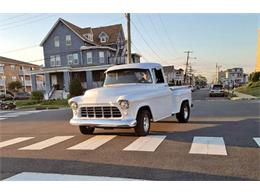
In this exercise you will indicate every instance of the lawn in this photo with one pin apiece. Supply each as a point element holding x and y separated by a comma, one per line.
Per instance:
<point>50,104</point>
<point>251,89</point>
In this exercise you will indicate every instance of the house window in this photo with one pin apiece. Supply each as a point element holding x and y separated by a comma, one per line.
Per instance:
<point>13,78</point>
<point>103,37</point>
<point>73,59</point>
<point>13,67</point>
<point>101,57</point>
<point>56,41</point>
<point>55,60</point>
<point>88,36</point>
<point>68,40</point>
<point>89,57</point>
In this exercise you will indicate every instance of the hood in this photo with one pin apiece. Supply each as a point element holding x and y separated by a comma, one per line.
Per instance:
<point>112,93</point>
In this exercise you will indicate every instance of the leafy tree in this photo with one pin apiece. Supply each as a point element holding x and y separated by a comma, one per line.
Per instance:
<point>200,80</point>
<point>75,88</point>
<point>254,76</point>
<point>14,86</point>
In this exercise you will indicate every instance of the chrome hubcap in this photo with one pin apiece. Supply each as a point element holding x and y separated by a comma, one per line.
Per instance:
<point>186,112</point>
<point>146,123</point>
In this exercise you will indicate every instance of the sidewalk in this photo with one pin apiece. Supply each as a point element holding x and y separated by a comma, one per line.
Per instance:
<point>242,96</point>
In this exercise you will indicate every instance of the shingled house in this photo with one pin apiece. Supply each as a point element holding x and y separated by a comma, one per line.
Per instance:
<point>84,53</point>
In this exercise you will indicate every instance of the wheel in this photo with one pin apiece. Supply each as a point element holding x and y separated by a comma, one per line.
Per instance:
<point>184,115</point>
<point>142,127</point>
<point>85,130</point>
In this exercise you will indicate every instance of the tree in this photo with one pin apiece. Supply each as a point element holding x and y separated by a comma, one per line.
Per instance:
<point>75,88</point>
<point>200,81</point>
<point>14,86</point>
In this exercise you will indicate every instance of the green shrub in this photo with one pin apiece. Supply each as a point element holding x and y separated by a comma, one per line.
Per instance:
<point>15,86</point>
<point>75,88</point>
<point>55,102</point>
<point>254,76</point>
<point>37,95</point>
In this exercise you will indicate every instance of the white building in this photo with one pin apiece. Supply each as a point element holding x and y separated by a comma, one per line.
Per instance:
<point>172,75</point>
<point>233,76</point>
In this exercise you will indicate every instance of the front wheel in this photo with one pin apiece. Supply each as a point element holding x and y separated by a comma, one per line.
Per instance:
<point>142,127</point>
<point>85,130</point>
<point>184,114</point>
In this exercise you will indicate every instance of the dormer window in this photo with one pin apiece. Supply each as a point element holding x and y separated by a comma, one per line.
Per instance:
<point>88,36</point>
<point>103,37</point>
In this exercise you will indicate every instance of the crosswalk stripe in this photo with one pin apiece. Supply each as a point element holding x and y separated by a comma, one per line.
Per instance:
<point>257,140</point>
<point>14,141</point>
<point>93,143</point>
<point>208,145</point>
<point>46,143</point>
<point>146,144</point>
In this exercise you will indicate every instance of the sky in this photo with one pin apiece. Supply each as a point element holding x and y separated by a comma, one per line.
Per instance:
<point>227,39</point>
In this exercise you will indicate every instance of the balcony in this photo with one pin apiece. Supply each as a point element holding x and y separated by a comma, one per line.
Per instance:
<point>117,60</point>
<point>24,72</point>
<point>27,83</point>
<point>2,82</point>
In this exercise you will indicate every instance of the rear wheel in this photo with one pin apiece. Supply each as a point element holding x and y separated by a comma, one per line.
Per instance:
<point>184,114</point>
<point>85,130</point>
<point>142,127</point>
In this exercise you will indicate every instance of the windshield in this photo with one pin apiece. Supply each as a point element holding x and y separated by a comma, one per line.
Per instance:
<point>217,87</point>
<point>128,76</point>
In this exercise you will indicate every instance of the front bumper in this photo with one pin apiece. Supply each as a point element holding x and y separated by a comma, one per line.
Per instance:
<point>103,122</point>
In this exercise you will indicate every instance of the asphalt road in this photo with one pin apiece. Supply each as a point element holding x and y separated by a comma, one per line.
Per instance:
<point>234,122</point>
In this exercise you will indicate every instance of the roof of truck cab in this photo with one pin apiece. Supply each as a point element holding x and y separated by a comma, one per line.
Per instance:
<point>136,65</point>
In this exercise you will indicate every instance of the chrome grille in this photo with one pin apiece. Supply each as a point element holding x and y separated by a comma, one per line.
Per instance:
<point>100,112</point>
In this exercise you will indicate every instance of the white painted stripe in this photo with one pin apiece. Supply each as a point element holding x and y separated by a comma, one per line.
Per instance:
<point>14,141</point>
<point>257,140</point>
<point>2,119</point>
<point>46,143</point>
<point>29,176</point>
<point>146,144</point>
<point>208,145</point>
<point>93,143</point>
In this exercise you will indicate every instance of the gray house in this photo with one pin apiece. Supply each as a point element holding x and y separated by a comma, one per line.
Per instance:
<point>84,53</point>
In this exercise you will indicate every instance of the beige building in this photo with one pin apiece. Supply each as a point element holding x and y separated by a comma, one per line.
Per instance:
<point>258,53</point>
<point>15,70</point>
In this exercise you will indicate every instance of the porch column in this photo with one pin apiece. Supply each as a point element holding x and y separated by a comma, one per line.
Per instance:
<point>34,82</point>
<point>47,82</point>
<point>89,79</point>
<point>66,77</point>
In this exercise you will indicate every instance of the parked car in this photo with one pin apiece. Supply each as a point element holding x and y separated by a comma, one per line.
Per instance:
<point>216,90</point>
<point>132,96</point>
<point>22,96</point>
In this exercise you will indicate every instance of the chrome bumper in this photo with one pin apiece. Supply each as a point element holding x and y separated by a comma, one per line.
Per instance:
<point>103,122</point>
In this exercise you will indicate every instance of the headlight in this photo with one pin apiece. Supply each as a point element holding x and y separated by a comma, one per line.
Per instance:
<point>124,104</point>
<point>74,105</point>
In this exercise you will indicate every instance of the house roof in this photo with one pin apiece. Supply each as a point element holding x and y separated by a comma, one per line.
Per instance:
<point>112,31</point>
<point>13,61</point>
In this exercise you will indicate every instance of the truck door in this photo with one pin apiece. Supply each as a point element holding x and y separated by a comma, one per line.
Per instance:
<point>162,99</point>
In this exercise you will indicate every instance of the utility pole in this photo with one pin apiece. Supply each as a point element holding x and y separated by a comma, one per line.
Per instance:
<point>129,57</point>
<point>187,65</point>
<point>217,71</point>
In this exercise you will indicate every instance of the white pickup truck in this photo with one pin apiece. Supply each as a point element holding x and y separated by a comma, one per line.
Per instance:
<point>132,96</point>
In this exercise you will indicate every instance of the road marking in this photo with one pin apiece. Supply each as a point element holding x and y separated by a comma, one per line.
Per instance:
<point>2,119</point>
<point>46,143</point>
<point>146,144</point>
<point>14,141</point>
<point>208,145</point>
<point>257,140</point>
<point>93,143</point>
<point>31,176</point>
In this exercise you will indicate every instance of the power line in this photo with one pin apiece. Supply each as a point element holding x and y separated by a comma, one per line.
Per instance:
<point>139,51</point>
<point>167,33</point>
<point>28,22</point>
<point>19,49</point>
<point>23,20</point>
<point>141,35</point>
<point>6,19</point>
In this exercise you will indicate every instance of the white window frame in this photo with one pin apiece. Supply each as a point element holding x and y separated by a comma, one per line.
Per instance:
<point>69,59</point>
<point>75,58</point>
<point>55,60</point>
<point>68,40</point>
<point>89,57</point>
<point>56,41</point>
<point>13,78</point>
<point>101,55</point>
<point>13,67</point>
<point>103,39</point>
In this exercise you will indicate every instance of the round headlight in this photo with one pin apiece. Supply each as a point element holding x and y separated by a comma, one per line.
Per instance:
<point>124,104</point>
<point>74,105</point>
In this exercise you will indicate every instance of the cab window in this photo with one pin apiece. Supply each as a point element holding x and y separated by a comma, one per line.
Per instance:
<point>158,75</point>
